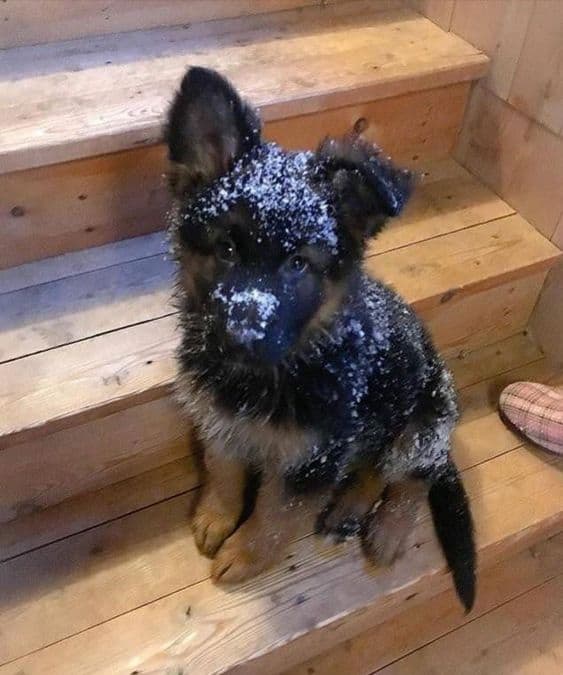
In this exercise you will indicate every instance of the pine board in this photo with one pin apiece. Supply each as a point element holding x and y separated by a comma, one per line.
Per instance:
<point>123,194</point>
<point>109,372</point>
<point>24,20</point>
<point>522,636</point>
<point>47,484</point>
<point>344,57</point>
<point>418,626</point>
<point>100,291</point>
<point>204,629</point>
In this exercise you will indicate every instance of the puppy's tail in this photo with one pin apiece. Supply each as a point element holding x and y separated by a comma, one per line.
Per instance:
<point>454,526</point>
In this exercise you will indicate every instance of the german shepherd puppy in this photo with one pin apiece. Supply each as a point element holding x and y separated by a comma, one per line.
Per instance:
<point>294,366</point>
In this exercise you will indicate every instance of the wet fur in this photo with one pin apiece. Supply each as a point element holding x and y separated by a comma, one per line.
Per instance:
<point>358,396</point>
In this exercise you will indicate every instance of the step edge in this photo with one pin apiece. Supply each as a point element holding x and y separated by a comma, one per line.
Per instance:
<point>165,387</point>
<point>149,133</point>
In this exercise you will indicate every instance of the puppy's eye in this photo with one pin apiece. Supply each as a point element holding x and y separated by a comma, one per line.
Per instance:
<point>225,250</point>
<point>298,264</point>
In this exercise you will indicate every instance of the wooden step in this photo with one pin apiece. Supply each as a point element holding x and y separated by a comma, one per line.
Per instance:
<point>83,119</point>
<point>87,345</point>
<point>515,627</point>
<point>25,20</point>
<point>129,593</point>
<point>79,105</point>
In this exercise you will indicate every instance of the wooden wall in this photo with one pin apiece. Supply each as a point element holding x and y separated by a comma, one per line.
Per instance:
<point>512,137</point>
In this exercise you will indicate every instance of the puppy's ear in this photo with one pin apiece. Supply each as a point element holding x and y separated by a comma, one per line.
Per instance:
<point>369,188</point>
<point>208,127</point>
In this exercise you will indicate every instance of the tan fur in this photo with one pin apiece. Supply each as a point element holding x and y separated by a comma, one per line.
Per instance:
<point>262,540</point>
<point>221,503</point>
<point>240,436</point>
<point>334,295</point>
<point>355,501</point>
<point>388,528</point>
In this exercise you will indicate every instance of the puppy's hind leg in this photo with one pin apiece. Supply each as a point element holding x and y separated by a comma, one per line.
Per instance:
<point>385,532</point>
<point>351,503</point>
<point>420,465</point>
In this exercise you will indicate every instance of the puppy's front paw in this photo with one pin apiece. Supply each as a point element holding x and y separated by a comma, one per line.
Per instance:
<point>211,526</point>
<point>243,556</point>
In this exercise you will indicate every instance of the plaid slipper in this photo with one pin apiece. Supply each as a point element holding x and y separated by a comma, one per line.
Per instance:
<point>537,411</point>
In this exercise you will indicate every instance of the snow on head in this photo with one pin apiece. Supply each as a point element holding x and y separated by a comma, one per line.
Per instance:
<point>248,311</point>
<point>279,189</point>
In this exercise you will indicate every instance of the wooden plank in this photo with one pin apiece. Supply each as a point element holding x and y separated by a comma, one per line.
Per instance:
<point>81,262</point>
<point>24,20</point>
<point>92,303</point>
<point>414,627</point>
<point>470,366</point>
<point>477,440</point>
<point>522,636</point>
<point>99,200</point>
<point>517,158</point>
<point>484,318</point>
<point>89,379</point>
<point>89,456</point>
<point>447,199</point>
<point>390,123</point>
<point>537,87</point>
<point>335,59</point>
<point>438,11</point>
<point>463,262</point>
<point>547,319</point>
<point>112,296</point>
<point>91,509</point>
<point>499,29</point>
<point>190,627</point>
<point>344,626</point>
<point>109,372</point>
<point>122,194</point>
<point>153,434</point>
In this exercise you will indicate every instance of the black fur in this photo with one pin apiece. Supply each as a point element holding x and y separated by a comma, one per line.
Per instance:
<point>452,519</point>
<point>280,325</point>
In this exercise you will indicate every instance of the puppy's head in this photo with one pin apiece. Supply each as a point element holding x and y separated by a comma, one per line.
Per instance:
<point>267,240</point>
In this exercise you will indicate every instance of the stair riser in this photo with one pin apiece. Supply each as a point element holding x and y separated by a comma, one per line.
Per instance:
<point>119,195</point>
<point>106,450</point>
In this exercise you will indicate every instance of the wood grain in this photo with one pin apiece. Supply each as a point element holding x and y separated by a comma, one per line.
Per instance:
<point>90,509</point>
<point>473,259</point>
<point>537,87</point>
<point>264,613</point>
<point>547,319</point>
<point>499,29</point>
<point>518,159</point>
<point>109,372</point>
<point>438,11</point>
<point>358,58</point>
<point>99,200</point>
<point>522,636</point>
<point>106,294</point>
<point>484,317</point>
<point>419,625</point>
<point>24,20</point>
<point>131,442</point>
<point>89,456</point>
<point>123,194</point>
<point>480,437</point>
<point>89,379</point>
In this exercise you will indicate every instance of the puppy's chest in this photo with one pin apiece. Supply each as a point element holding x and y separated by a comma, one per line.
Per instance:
<point>256,440</point>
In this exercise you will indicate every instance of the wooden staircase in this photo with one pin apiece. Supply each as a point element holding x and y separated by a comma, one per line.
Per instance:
<point>99,574</point>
